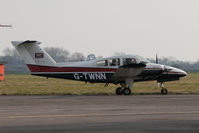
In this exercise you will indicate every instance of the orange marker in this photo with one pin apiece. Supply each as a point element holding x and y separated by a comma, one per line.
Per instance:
<point>2,71</point>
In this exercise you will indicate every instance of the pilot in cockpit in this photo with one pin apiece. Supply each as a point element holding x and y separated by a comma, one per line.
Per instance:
<point>114,62</point>
<point>129,61</point>
<point>133,60</point>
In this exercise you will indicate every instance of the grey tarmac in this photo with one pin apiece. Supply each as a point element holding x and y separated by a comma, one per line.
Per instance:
<point>103,114</point>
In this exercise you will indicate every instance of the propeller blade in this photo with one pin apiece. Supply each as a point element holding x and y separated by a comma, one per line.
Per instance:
<point>156,59</point>
<point>165,69</point>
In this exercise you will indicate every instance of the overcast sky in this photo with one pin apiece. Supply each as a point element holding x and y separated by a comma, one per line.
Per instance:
<point>103,27</point>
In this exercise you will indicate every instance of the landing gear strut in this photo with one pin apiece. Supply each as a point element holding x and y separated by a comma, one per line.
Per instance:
<point>164,91</point>
<point>125,88</point>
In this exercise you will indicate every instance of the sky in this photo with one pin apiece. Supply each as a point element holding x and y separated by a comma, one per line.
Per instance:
<point>104,27</point>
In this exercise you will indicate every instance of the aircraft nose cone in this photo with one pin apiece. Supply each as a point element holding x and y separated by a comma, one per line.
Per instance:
<point>181,72</point>
<point>184,73</point>
<point>176,71</point>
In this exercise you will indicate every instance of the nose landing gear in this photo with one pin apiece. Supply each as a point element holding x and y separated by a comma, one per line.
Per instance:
<point>164,91</point>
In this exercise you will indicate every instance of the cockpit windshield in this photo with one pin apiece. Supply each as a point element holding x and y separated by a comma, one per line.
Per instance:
<point>141,59</point>
<point>121,60</point>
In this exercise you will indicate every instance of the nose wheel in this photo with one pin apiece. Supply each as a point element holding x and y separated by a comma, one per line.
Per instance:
<point>164,91</point>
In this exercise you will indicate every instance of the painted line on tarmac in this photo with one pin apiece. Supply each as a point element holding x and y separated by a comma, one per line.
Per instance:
<point>98,115</point>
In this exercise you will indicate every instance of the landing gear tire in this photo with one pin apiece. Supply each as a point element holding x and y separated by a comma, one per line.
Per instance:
<point>127,91</point>
<point>164,91</point>
<point>118,91</point>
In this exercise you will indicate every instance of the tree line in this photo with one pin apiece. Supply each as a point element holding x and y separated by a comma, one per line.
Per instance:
<point>16,65</point>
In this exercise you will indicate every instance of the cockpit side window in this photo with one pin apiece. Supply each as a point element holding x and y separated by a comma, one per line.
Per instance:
<point>114,62</point>
<point>102,63</point>
<point>127,61</point>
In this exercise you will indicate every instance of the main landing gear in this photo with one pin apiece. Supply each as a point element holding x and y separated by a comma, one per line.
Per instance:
<point>125,88</point>
<point>125,91</point>
<point>164,91</point>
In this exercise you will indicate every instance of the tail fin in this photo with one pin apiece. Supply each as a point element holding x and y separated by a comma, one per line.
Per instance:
<point>33,54</point>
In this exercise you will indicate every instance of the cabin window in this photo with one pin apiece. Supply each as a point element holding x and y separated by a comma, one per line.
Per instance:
<point>127,61</point>
<point>102,63</point>
<point>114,62</point>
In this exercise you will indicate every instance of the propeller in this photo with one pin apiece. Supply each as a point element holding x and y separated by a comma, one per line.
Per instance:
<point>156,60</point>
<point>165,70</point>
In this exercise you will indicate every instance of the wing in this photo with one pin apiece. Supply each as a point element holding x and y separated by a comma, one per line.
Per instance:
<point>129,71</point>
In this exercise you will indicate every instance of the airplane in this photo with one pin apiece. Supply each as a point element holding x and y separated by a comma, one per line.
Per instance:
<point>124,69</point>
<point>5,25</point>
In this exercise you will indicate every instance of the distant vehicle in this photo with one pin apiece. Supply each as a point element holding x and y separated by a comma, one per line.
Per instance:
<point>123,70</point>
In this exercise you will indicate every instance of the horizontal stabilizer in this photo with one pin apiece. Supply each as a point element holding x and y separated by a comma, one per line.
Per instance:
<point>17,43</point>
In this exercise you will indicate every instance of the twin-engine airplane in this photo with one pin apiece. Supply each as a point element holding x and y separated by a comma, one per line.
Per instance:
<point>123,70</point>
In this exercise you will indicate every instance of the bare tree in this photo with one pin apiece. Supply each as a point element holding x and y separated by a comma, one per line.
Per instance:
<point>58,54</point>
<point>11,52</point>
<point>77,57</point>
<point>16,64</point>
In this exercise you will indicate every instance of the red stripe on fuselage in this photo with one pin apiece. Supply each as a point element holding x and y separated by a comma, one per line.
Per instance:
<point>152,69</point>
<point>36,68</point>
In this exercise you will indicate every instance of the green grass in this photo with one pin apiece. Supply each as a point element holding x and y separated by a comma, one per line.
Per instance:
<point>16,84</point>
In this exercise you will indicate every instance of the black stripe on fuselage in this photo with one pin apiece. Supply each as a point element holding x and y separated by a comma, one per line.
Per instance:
<point>98,77</point>
<point>104,77</point>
